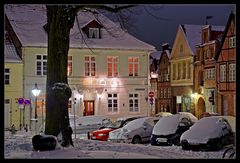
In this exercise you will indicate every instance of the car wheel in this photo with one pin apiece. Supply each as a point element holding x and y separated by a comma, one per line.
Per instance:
<point>177,142</point>
<point>185,145</point>
<point>136,140</point>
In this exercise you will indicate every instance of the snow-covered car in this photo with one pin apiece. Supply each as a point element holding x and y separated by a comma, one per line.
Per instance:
<point>87,124</point>
<point>208,114</point>
<point>136,131</point>
<point>168,129</point>
<point>103,132</point>
<point>209,133</point>
<point>163,114</point>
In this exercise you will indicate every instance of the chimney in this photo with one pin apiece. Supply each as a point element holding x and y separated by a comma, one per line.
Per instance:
<point>165,46</point>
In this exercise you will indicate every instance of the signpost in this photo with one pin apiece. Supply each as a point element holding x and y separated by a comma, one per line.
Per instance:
<point>151,95</point>
<point>22,103</point>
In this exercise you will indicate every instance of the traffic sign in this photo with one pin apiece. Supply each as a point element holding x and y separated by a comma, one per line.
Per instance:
<point>151,101</point>
<point>22,101</point>
<point>151,94</point>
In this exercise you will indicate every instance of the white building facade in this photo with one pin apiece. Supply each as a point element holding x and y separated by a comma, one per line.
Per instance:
<point>108,69</point>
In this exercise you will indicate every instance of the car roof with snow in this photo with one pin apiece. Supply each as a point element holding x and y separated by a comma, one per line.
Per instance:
<point>137,123</point>
<point>91,119</point>
<point>205,128</point>
<point>169,124</point>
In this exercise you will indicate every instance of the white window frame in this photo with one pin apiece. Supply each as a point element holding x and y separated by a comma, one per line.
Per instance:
<point>112,63</point>
<point>232,42</point>
<point>88,69</point>
<point>133,63</point>
<point>161,92</point>
<point>69,67</point>
<point>169,92</point>
<point>43,69</point>
<point>223,73</point>
<point>93,31</point>
<point>7,76</point>
<point>135,101</point>
<point>210,74</point>
<point>232,72</point>
<point>111,99</point>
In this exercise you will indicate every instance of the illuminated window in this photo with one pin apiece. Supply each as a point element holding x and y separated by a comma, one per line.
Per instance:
<point>133,65</point>
<point>112,102</point>
<point>133,102</point>
<point>90,66</point>
<point>69,68</point>
<point>41,64</point>
<point>70,105</point>
<point>7,76</point>
<point>112,63</point>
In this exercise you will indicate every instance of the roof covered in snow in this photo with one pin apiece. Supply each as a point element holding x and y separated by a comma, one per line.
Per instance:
<point>28,21</point>
<point>10,53</point>
<point>156,54</point>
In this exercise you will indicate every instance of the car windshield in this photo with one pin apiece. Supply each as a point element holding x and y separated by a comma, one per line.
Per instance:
<point>116,124</point>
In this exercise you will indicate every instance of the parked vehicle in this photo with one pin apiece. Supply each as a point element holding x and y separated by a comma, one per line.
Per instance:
<point>136,131</point>
<point>168,129</point>
<point>208,114</point>
<point>209,133</point>
<point>163,114</point>
<point>103,132</point>
<point>87,124</point>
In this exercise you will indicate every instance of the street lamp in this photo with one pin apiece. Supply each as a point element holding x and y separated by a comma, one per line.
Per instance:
<point>154,77</point>
<point>36,91</point>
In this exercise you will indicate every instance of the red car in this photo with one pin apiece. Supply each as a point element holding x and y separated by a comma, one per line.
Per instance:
<point>102,134</point>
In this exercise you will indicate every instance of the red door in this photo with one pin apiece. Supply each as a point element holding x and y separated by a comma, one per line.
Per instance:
<point>88,108</point>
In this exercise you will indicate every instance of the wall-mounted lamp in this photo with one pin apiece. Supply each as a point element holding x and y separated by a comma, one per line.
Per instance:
<point>99,96</point>
<point>154,75</point>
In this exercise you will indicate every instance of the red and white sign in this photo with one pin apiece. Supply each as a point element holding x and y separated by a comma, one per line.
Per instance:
<point>151,94</point>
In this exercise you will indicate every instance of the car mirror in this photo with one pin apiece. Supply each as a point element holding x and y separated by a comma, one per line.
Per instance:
<point>181,124</point>
<point>144,127</point>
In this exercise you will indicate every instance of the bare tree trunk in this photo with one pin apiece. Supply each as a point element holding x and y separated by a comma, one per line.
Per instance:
<point>60,20</point>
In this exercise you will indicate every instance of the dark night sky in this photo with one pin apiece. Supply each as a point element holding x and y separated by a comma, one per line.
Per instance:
<point>157,24</point>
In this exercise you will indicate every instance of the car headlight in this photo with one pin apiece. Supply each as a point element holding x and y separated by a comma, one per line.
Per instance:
<point>125,133</point>
<point>102,134</point>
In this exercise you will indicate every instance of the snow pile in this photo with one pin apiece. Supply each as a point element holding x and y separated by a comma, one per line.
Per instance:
<point>19,146</point>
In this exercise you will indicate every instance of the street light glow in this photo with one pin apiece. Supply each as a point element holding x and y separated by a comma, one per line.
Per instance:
<point>36,91</point>
<point>154,75</point>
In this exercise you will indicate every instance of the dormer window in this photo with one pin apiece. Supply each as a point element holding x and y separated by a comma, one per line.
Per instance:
<point>93,32</point>
<point>93,29</point>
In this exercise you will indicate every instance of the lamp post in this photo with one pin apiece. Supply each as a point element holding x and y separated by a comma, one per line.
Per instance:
<point>36,91</point>
<point>154,76</point>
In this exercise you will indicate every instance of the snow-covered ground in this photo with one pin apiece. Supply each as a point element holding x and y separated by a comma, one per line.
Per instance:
<point>20,146</point>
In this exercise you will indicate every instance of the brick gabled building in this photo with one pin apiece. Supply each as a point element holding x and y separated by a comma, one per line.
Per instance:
<point>204,69</point>
<point>226,70</point>
<point>163,86</point>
